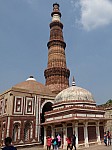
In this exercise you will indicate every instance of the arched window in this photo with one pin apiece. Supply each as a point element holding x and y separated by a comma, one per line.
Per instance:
<point>28,131</point>
<point>16,132</point>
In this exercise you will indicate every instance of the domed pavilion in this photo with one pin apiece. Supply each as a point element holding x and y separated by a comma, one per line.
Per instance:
<point>75,112</point>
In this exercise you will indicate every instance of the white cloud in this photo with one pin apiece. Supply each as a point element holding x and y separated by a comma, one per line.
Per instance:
<point>94,13</point>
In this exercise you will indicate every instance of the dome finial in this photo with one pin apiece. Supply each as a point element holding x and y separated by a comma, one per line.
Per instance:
<point>31,78</point>
<point>73,82</point>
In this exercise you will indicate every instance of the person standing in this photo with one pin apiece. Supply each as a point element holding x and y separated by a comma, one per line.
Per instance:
<point>59,140</point>
<point>55,143</point>
<point>105,138</point>
<point>109,138</point>
<point>74,141</point>
<point>8,145</point>
<point>69,143</point>
<point>49,140</point>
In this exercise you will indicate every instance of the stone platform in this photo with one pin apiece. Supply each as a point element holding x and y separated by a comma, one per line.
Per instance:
<point>95,147</point>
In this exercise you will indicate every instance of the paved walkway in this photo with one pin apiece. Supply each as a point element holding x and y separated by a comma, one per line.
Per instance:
<point>95,147</point>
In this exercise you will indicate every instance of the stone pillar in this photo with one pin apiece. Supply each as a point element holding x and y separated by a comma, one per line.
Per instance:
<point>44,137</point>
<point>86,134</point>
<point>19,133</point>
<point>64,136</point>
<point>98,133</point>
<point>39,112</point>
<point>73,124</point>
<point>36,116</point>
<point>53,132</point>
<point>8,126</point>
<point>76,134</point>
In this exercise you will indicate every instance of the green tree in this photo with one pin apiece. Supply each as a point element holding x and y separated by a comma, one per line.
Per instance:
<point>109,101</point>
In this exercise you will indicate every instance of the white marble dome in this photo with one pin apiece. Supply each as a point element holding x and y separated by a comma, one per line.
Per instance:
<point>74,93</point>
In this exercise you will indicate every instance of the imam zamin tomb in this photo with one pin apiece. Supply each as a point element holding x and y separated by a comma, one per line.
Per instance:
<point>31,111</point>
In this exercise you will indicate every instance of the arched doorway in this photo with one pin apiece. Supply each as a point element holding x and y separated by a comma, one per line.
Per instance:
<point>47,107</point>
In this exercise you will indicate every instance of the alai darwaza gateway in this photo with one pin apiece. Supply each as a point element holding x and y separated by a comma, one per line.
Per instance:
<point>74,108</point>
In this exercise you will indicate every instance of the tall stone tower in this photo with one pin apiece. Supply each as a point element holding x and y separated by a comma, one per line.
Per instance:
<point>57,74</point>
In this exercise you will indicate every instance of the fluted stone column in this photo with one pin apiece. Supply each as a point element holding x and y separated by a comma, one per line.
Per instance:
<point>73,124</point>
<point>53,133</point>
<point>98,133</point>
<point>64,136</point>
<point>44,137</point>
<point>76,134</point>
<point>86,134</point>
<point>8,125</point>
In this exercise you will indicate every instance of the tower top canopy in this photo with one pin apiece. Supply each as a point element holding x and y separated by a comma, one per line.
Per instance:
<point>56,15</point>
<point>56,4</point>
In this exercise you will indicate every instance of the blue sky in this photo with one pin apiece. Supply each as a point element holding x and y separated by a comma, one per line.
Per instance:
<point>24,33</point>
